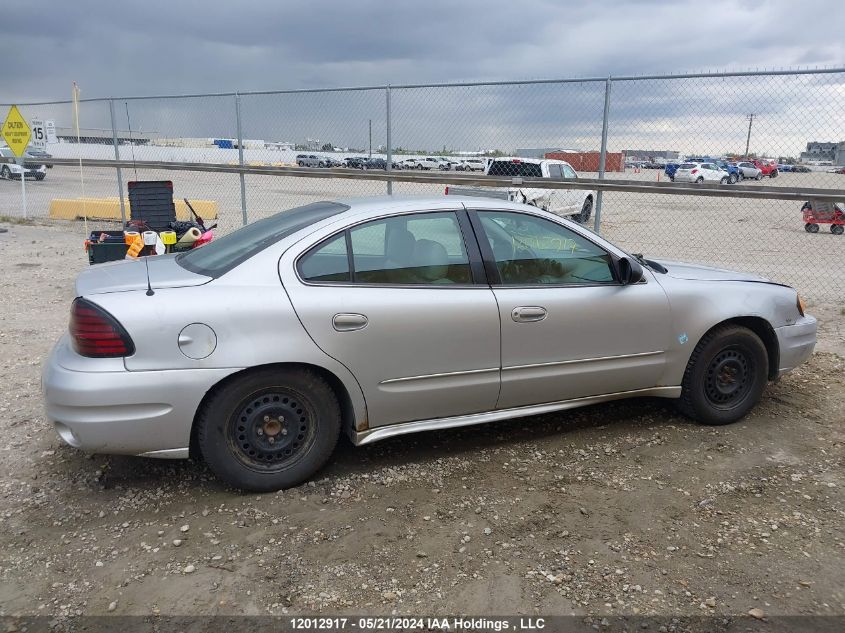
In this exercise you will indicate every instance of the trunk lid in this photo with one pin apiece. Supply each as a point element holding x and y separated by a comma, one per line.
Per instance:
<point>131,274</point>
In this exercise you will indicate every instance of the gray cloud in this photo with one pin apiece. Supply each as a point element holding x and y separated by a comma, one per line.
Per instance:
<point>158,47</point>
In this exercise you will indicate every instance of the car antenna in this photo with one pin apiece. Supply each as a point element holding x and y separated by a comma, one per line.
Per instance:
<point>150,291</point>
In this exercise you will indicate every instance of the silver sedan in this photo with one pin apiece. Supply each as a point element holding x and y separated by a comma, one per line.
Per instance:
<point>388,316</point>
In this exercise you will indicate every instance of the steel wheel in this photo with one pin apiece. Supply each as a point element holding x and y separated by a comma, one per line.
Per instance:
<point>728,378</point>
<point>271,430</point>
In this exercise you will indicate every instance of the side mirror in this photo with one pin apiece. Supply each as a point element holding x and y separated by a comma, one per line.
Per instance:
<point>629,270</point>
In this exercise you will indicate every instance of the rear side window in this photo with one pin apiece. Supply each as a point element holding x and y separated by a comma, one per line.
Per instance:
<point>417,249</point>
<point>514,168</point>
<point>222,255</point>
<point>555,172</point>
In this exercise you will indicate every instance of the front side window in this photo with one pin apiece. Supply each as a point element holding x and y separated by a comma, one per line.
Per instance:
<point>568,172</point>
<point>534,251</point>
<point>555,172</point>
<point>418,249</point>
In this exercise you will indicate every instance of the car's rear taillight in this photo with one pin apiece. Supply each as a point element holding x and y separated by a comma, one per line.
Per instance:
<point>97,334</point>
<point>446,192</point>
<point>694,171</point>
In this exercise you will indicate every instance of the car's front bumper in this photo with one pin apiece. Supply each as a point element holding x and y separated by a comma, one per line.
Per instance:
<point>796,343</point>
<point>115,411</point>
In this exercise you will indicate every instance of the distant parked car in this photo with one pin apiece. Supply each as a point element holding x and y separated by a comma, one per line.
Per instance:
<point>38,154</point>
<point>767,167</point>
<point>355,162</point>
<point>748,169</point>
<point>13,171</point>
<point>429,162</point>
<point>783,167</point>
<point>801,169</point>
<point>407,163</point>
<point>308,160</point>
<point>375,163</point>
<point>328,161</point>
<point>471,164</point>
<point>701,172</point>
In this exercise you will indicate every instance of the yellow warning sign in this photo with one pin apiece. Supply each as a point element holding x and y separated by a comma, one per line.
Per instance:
<point>16,132</point>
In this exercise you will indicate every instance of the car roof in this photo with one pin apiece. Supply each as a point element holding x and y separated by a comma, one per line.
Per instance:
<point>532,161</point>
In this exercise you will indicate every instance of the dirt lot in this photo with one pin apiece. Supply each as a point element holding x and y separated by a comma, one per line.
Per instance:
<point>622,508</point>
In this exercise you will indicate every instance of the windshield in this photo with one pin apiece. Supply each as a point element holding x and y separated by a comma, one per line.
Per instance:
<point>223,254</point>
<point>511,168</point>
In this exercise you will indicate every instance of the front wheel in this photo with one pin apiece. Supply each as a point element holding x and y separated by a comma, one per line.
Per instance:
<point>270,429</point>
<point>724,180</point>
<point>774,174</point>
<point>812,227</point>
<point>699,180</point>
<point>759,176</point>
<point>837,229</point>
<point>732,179</point>
<point>725,376</point>
<point>6,173</point>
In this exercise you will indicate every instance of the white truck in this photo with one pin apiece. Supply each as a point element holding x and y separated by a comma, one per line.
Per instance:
<point>575,203</point>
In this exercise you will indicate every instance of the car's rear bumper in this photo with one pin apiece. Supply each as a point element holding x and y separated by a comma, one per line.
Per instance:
<point>117,411</point>
<point>796,343</point>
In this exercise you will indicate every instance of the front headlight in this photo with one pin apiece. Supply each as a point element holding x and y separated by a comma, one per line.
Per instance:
<point>800,304</point>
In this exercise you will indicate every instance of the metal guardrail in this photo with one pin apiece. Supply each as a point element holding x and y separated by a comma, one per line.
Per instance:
<point>453,178</point>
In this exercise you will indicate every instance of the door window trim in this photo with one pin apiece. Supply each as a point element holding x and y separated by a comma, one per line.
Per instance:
<point>477,268</point>
<point>492,269</point>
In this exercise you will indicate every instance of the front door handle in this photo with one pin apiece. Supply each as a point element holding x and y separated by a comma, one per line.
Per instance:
<point>349,322</point>
<point>528,314</point>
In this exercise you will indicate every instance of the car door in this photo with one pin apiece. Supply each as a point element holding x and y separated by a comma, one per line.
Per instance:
<point>560,200</point>
<point>395,300</point>
<point>568,328</point>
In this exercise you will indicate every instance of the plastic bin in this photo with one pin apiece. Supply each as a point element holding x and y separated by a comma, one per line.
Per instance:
<point>110,249</point>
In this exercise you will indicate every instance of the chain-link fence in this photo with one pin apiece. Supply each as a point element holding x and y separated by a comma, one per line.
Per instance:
<point>729,135</point>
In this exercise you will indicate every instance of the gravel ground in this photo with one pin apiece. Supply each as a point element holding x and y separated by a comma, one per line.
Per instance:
<point>624,508</point>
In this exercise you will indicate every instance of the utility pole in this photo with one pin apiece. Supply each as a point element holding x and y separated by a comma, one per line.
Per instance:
<point>371,138</point>
<point>748,139</point>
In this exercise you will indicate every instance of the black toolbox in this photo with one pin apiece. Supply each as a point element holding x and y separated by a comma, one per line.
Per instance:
<point>105,246</point>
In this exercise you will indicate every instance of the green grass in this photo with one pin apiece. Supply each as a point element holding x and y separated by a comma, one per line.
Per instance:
<point>8,219</point>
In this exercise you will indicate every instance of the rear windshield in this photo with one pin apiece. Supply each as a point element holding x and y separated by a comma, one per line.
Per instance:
<point>510,168</point>
<point>223,254</point>
<point>687,166</point>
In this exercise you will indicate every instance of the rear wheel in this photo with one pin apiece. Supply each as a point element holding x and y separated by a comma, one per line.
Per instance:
<point>759,176</point>
<point>699,180</point>
<point>812,227</point>
<point>6,172</point>
<point>837,229</point>
<point>774,174</point>
<point>269,429</point>
<point>724,180</point>
<point>586,211</point>
<point>733,178</point>
<point>725,376</point>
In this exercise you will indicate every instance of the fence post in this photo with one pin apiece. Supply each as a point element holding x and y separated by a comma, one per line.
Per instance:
<point>389,144</point>
<point>603,154</point>
<point>117,157</point>
<point>241,155</point>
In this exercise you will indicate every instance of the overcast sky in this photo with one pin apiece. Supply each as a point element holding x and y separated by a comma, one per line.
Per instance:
<point>161,47</point>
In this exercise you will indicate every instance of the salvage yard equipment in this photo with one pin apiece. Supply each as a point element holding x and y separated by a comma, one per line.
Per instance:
<point>815,212</point>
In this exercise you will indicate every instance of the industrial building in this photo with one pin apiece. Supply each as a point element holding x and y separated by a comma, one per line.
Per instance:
<point>817,152</point>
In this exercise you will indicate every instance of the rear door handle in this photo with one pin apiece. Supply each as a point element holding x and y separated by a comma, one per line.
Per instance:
<point>349,322</point>
<point>528,314</point>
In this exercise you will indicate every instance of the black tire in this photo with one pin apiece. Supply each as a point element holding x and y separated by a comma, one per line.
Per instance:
<point>699,180</point>
<point>40,177</point>
<point>812,227</point>
<point>238,424</point>
<point>725,376</point>
<point>724,180</point>
<point>672,178</point>
<point>733,178</point>
<point>759,176</point>
<point>837,229</point>
<point>586,211</point>
<point>774,174</point>
<point>6,173</point>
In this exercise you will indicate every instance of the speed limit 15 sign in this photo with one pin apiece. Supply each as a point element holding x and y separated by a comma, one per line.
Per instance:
<point>39,134</point>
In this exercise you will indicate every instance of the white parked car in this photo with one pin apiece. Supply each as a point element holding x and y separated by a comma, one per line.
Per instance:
<point>30,169</point>
<point>472,164</point>
<point>701,172</point>
<point>574,203</point>
<point>407,163</point>
<point>428,162</point>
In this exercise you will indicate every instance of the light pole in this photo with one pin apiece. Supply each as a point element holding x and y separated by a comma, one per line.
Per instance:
<point>748,139</point>
<point>371,138</point>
